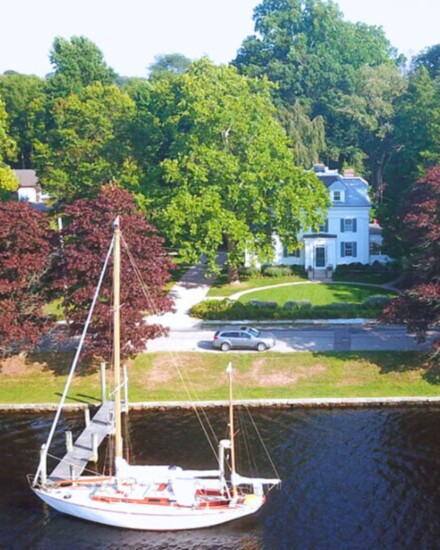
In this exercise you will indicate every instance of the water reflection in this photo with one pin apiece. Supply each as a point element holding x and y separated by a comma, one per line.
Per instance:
<point>351,479</point>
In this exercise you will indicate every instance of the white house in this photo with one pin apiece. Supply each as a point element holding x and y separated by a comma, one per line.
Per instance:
<point>29,189</point>
<point>346,236</point>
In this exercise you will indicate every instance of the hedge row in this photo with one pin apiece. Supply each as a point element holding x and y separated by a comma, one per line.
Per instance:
<point>229,310</point>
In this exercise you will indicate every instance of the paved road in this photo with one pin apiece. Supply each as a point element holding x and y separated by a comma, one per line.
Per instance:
<point>334,338</point>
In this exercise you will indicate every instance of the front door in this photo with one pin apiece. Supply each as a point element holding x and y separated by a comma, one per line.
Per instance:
<point>320,256</point>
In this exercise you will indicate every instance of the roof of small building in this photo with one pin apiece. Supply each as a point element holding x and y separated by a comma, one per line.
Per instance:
<point>27,177</point>
<point>374,229</point>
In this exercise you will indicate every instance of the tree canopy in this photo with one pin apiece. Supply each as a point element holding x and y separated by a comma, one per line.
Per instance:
<point>225,171</point>
<point>317,58</point>
<point>88,228</point>
<point>24,97</point>
<point>77,63</point>
<point>419,307</point>
<point>8,181</point>
<point>168,64</point>
<point>88,143</point>
<point>26,245</point>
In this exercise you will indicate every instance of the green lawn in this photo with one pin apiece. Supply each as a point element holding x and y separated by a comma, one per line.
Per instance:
<point>319,294</point>
<point>222,288</point>
<point>40,378</point>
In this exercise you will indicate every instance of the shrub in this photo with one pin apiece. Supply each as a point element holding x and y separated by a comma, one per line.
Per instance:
<point>276,271</point>
<point>377,300</point>
<point>229,310</point>
<point>263,304</point>
<point>249,272</point>
<point>304,304</point>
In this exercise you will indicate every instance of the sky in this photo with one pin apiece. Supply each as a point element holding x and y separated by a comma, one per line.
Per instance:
<point>130,33</point>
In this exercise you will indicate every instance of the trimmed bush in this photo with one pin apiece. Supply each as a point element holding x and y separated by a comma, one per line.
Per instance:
<point>276,271</point>
<point>263,304</point>
<point>377,300</point>
<point>229,310</point>
<point>376,273</point>
<point>249,273</point>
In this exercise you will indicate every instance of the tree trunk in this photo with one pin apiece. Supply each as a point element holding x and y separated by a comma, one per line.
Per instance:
<point>233,274</point>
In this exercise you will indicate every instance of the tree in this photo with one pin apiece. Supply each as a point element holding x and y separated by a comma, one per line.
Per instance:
<point>24,96</point>
<point>419,307</point>
<point>226,173</point>
<point>89,144</point>
<point>416,147</point>
<point>314,56</point>
<point>25,259</point>
<point>169,64</point>
<point>87,235</point>
<point>77,63</point>
<point>430,59</point>
<point>8,181</point>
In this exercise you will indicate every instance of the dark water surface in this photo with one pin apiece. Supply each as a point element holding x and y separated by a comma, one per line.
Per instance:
<point>351,479</point>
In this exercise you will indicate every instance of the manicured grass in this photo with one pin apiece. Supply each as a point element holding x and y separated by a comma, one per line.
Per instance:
<point>319,294</point>
<point>222,288</point>
<point>40,378</point>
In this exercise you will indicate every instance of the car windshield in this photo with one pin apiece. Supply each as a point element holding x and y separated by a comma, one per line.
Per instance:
<point>253,331</point>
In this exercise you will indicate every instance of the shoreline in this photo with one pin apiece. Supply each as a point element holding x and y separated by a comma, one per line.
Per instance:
<point>306,403</point>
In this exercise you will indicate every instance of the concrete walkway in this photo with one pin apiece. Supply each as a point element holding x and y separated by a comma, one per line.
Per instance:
<point>190,290</point>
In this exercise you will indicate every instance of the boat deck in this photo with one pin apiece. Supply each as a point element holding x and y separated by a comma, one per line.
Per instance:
<point>102,425</point>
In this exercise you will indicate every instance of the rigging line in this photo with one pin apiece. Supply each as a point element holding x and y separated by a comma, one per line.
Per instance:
<point>75,360</point>
<point>262,442</point>
<point>191,393</point>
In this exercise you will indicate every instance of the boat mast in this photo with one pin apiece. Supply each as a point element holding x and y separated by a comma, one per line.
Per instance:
<point>231,430</point>
<point>117,337</point>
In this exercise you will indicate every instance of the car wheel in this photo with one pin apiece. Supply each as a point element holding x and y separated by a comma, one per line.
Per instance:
<point>225,346</point>
<point>261,347</point>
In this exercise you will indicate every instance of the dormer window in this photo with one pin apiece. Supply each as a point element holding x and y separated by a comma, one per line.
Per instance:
<point>337,196</point>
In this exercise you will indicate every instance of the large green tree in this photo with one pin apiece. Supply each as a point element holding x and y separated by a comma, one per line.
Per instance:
<point>168,64</point>
<point>24,97</point>
<point>416,148</point>
<point>225,172</point>
<point>89,143</point>
<point>316,57</point>
<point>77,63</point>
<point>8,181</point>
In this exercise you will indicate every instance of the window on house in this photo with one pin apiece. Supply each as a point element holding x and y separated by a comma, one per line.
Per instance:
<point>337,196</point>
<point>375,248</point>
<point>348,224</point>
<point>295,254</point>
<point>323,228</point>
<point>349,249</point>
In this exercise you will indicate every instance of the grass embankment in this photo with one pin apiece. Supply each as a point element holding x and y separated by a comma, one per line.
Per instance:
<point>153,377</point>
<point>318,294</point>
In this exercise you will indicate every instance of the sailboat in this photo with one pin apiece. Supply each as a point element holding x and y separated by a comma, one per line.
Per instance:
<point>145,497</point>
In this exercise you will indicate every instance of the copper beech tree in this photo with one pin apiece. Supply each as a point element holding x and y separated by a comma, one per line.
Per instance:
<point>419,307</point>
<point>26,246</point>
<point>87,233</point>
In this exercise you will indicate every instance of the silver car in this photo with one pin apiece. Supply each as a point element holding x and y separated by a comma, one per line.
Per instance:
<point>243,338</point>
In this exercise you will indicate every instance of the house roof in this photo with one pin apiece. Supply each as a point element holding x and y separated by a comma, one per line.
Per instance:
<point>355,187</point>
<point>27,178</point>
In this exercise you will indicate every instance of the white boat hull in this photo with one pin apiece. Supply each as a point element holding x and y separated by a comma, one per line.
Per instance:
<point>77,502</point>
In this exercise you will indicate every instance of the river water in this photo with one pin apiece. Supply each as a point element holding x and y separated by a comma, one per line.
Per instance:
<point>366,478</point>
